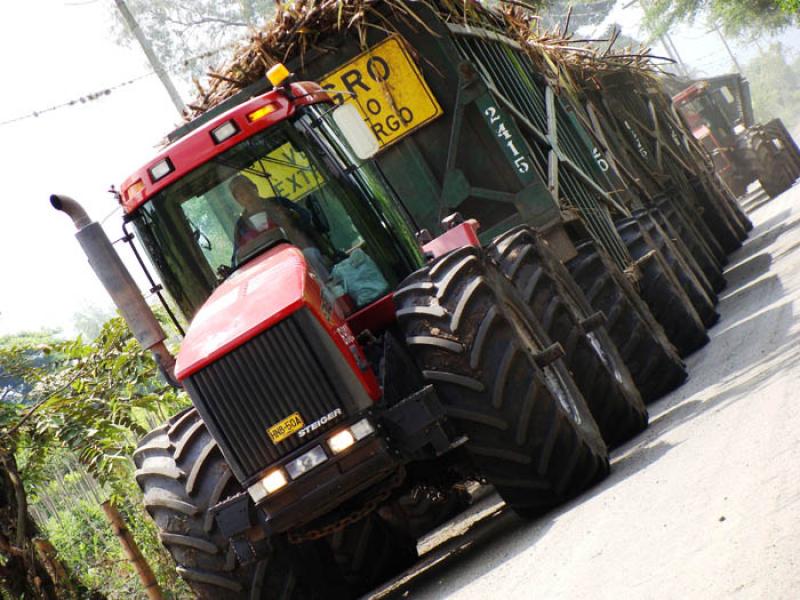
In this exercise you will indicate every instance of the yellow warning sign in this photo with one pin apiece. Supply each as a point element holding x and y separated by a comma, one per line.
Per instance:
<point>290,174</point>
<point>388,90</point>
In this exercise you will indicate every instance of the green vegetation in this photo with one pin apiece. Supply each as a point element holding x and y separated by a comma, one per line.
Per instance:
<point>71,413</point>
<point>187,36</point>
<point>736,17</point>
<point>775,85</point>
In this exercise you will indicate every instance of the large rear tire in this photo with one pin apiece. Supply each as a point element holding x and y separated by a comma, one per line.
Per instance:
<point>775,169</point>
<point>529,430</point>
<point>591,356</point>
<point>658,228</point>
<point>182,474</point>
<point>651,358</point>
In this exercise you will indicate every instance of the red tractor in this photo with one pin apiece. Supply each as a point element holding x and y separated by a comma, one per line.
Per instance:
<point>719,112</point>
<point>347,373</point>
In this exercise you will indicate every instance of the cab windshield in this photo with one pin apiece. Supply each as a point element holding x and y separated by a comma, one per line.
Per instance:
<point>274,187</point>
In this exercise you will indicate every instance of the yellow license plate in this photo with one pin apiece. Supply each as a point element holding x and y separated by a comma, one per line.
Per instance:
<point>283,429</point>
<point>388,90</point>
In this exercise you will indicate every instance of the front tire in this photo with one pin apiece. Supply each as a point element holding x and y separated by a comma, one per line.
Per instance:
<point>529,431</point>
<point>182,474</point>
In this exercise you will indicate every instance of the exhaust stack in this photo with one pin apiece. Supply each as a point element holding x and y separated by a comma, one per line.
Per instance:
<point>119,284</point>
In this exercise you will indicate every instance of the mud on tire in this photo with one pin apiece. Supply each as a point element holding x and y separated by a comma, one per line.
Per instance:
<point>591,356</point>
<point>529,431</point>
<point>774,167</point>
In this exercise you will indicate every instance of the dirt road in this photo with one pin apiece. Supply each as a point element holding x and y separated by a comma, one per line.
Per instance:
<point>705,503</point>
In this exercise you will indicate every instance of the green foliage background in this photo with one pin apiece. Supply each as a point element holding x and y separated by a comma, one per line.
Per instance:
<point>774,77</point>
<point>73,419</point>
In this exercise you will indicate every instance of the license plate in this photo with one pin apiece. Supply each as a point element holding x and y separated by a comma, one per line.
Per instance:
<point>285,428</point>
<point>388,90</point>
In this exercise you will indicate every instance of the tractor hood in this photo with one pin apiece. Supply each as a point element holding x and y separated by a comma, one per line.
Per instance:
<point>259,294</point>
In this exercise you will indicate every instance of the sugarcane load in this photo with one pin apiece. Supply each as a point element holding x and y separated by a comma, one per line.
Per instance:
<point>413,246</point>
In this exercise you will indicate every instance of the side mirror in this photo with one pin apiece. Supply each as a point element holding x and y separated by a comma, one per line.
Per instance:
<point>356,132</point>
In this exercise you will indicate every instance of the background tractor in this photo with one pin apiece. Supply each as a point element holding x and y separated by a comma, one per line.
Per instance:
<point>719,112</point>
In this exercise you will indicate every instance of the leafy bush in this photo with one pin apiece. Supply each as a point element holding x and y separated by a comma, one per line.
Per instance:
<point>71,413</point>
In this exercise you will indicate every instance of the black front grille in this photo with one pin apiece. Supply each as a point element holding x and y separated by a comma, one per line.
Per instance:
<point>259,384</point>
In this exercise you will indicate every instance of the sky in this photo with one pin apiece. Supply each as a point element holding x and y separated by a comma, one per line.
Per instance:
<point>55,51</point>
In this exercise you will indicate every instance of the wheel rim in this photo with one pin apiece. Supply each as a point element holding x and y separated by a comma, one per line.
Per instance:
<point>558,387</point>
<point>604,356</point>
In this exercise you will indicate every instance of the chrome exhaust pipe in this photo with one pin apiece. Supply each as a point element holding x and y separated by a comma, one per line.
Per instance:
<point>119,284</point>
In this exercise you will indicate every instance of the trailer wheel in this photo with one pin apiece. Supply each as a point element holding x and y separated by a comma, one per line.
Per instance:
<point>660,230</point>
<point>669,219</point>
<point>591,356</point>
<point>689,283</point>
<point>772,165</point>
<point>182,474</point>
<point>716,218</point>
<point>650,357</point>
<point>660,289</point>
<point>529,430</point>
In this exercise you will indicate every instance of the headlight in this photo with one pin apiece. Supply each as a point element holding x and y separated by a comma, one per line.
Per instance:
<point>271,483</point>
<point>341,441</point>
<point>224,131</point>
<point>306,462</point>
<point>161,169</point>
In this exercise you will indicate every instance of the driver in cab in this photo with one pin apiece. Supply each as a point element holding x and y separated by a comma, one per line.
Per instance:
<point>262,214</point>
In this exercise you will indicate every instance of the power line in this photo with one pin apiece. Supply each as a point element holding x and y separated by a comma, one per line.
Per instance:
<point>77,101</point>
<point>108,90</point>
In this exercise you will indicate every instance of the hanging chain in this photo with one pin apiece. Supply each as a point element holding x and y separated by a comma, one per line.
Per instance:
<point>306,535</point>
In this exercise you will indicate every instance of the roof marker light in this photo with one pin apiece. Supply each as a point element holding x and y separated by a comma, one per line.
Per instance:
<point>161,169</point>
<point>224,131</point>
<point>277,74</point>
<point>262,112</point>
<point>134,191</point>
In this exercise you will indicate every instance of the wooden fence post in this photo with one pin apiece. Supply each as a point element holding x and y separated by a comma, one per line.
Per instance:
<point>132,551</point>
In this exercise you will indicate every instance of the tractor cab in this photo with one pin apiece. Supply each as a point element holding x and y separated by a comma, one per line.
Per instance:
<point>275,170</point>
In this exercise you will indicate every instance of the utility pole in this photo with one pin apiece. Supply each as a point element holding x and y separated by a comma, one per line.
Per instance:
<point>151,55</point>
<point>672,50</point>
<point>666,41</point>
<point>728,48</point>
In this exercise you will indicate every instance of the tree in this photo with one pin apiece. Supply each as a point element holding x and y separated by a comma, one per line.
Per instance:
<point>790,6</point>
<point>186,35</point>
<point>735,17</point>
<point>93,399</point>
<point>775,85</point>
